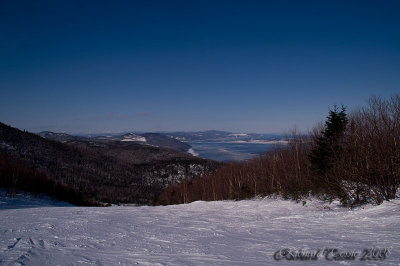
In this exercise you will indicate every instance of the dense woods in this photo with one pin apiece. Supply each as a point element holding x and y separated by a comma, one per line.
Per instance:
<point>16,176</point>
<point>355,158</point>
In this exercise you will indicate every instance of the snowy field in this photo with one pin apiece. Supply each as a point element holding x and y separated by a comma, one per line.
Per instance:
<point>35,232</point>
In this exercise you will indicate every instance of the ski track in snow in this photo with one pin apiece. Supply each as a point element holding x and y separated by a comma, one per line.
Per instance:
<point>201,233</point>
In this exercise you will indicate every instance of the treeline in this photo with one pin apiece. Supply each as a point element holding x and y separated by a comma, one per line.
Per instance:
<point>355,158</point>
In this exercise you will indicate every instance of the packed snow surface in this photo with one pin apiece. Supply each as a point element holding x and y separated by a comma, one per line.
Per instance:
<point>201,233</point>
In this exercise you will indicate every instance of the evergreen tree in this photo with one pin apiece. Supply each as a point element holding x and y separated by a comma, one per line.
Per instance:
<point>330,141</point>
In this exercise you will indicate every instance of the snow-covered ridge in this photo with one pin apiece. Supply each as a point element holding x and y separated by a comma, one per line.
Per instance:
<point>133,137</point>
<point>239,135</point>
<point>201,233</point>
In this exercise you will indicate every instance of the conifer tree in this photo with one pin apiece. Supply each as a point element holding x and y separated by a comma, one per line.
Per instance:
<point>325,155</point>
<point>330,141</point>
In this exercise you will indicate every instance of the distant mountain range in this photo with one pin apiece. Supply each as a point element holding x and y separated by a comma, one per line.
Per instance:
<point>151,139</point>
<point>224,136</point>
<point>178,141</point>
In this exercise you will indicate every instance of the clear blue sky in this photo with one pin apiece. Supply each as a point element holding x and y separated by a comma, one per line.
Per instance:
<point>248,66</point>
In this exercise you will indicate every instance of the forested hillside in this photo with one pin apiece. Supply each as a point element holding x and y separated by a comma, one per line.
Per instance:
<point>99,172</point>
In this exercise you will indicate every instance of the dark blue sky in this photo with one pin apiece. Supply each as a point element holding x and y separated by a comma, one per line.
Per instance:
<point>251,66</point>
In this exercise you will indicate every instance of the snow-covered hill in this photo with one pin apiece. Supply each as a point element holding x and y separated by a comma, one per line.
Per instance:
<point>200,233</point>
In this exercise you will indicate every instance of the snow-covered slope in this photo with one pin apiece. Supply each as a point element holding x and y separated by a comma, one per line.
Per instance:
<point>200,233</point>
<point>23,201</point>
